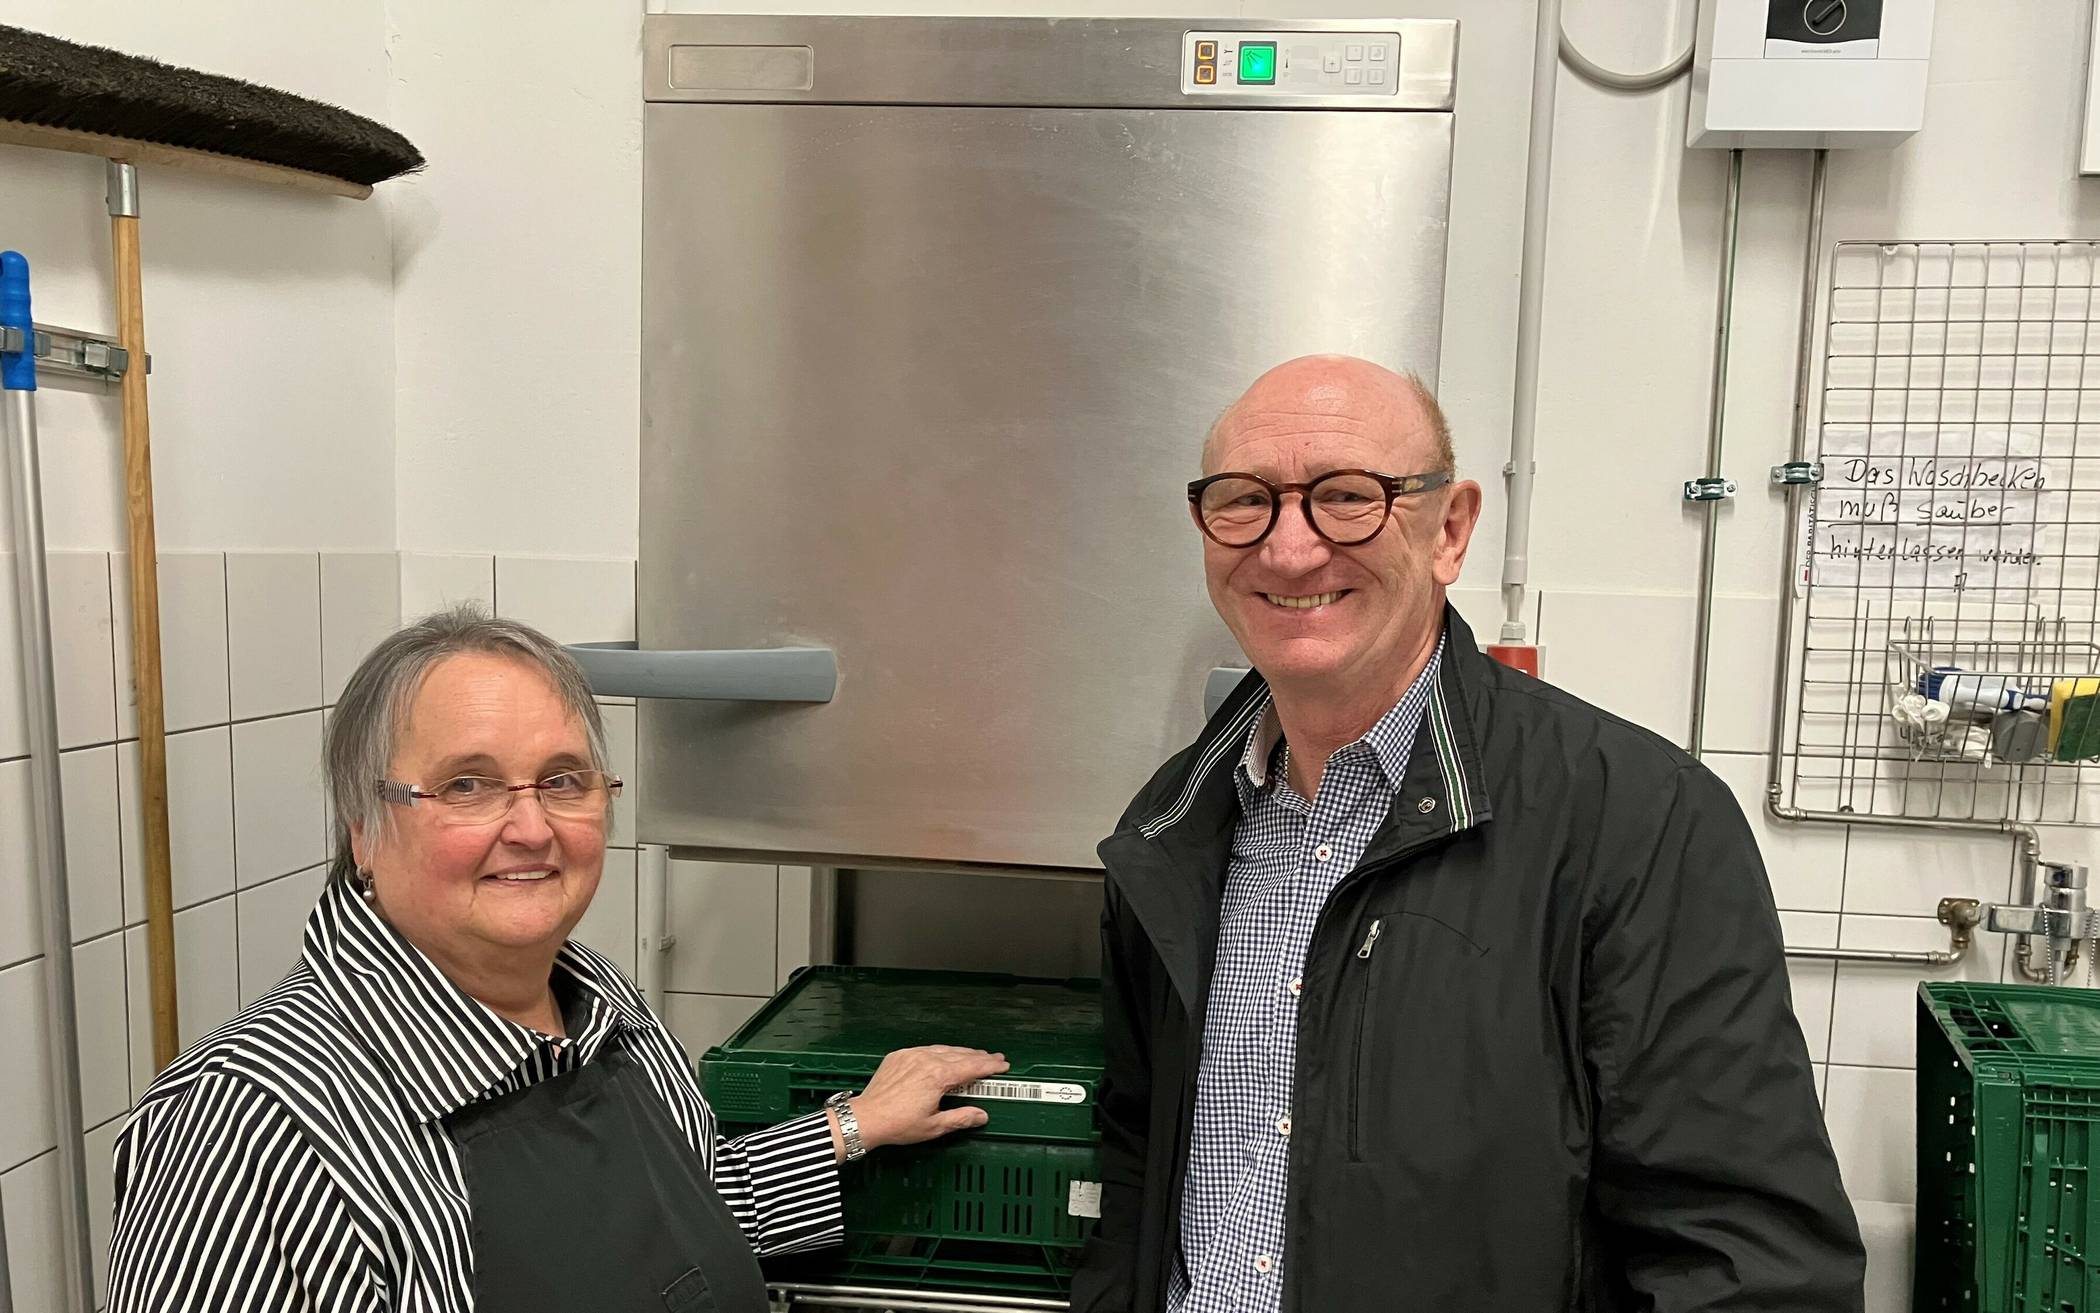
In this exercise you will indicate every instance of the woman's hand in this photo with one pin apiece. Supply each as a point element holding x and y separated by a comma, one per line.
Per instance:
<point>902,1104</point>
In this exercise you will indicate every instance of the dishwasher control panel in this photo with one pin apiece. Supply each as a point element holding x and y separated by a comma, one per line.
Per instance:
<point>1290,63</point>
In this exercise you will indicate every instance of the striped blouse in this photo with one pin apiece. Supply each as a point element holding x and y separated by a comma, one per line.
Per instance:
<point>296,1157</point>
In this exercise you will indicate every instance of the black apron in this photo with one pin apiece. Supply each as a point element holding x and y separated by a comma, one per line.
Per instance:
<point>586,1198</point>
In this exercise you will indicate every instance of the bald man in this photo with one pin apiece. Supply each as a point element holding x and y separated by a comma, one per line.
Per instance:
<point>1430,987</point>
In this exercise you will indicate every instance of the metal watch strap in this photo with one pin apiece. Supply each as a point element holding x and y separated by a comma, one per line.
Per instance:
<point>849,1125</point>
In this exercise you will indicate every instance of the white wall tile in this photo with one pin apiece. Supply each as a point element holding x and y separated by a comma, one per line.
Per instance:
<point>1739,674</point>
<point>1872,1115</point>
<point>26,1129</point>
<point>432,583</point>
<point>273,632</point>
<point>1898,873</point>
<point>99,1004</point>
<point>94,857</point>
<point>1890,1233</point>
<point>272,922</point>
<point>723,915</point>
<point>1648,681</point>
<point>620,746</point>
<point>792,949</point>
<point>700,1021</point>
<point>1806,862</point>
<point>572,601</point>
<point>14,716</point>
<point>101,1147</point>
<point>360,604</point>
<point>200,820</point>
<point>277,809</point>
<point>82,647</point>
<point>36,1261</point>
<point>1875,1008</point>
<point>609,924</point>
<point>21,933</point>
<point>1811,982</point>
<point>193,671</point>
<point>207,982</point>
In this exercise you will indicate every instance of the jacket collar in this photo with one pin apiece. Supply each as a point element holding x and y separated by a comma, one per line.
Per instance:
<point>446,1049</point>
<point>1169,862</point>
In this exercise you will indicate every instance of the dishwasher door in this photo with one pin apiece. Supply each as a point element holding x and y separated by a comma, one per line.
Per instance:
<point>922,384</point>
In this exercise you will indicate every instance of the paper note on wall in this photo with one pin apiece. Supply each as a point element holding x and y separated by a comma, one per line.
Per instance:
<point>1908,508</point>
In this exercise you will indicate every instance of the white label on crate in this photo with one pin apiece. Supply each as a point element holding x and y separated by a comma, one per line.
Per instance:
<point>1084,1199</point>
<point>1029,1091</point>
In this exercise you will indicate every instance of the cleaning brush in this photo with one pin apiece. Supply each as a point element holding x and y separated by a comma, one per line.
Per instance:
<point>65,96</point>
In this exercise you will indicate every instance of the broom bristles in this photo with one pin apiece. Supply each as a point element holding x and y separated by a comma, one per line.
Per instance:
<point>62,84</point>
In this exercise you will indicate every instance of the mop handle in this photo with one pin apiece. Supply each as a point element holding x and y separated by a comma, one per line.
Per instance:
<point>17,368</point>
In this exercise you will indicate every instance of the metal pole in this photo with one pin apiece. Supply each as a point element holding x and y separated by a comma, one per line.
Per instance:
<point>32,599</point>
<point>1702,634</point>
<point>7,1289</point>
<point>1929,957</point>
<point>1797,452</point>
<point>1531,304</point>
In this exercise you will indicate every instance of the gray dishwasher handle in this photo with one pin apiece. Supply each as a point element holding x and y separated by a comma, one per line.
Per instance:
<point>1218,685</point>
<point>767,674</point>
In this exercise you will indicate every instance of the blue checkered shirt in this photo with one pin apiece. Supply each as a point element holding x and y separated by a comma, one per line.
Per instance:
<point>1288,855</point>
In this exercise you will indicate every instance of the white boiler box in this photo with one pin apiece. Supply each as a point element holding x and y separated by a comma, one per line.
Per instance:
<point>1806,73</point>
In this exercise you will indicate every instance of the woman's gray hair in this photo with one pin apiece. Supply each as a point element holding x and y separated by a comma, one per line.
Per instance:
<point>366,726</point>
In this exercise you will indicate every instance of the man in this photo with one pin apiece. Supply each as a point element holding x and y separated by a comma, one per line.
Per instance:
<point>1430,987</point>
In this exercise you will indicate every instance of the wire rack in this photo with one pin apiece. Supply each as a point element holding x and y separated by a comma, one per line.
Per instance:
<point>1950,580</point>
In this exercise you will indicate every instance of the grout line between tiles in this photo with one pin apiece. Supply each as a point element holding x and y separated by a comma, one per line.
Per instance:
<point>1830,1022</point>
<point>233,809</point>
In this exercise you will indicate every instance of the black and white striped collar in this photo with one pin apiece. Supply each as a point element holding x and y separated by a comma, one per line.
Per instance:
<point>446,1048</point>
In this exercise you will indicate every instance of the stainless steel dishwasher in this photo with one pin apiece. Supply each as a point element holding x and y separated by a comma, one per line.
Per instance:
<point>936,312</point>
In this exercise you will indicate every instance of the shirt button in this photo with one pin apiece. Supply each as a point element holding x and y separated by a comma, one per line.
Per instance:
<point>1283,1126</point>
<point>1297,986</point>
<point>1264,1264</point>
<point>1323,852</point>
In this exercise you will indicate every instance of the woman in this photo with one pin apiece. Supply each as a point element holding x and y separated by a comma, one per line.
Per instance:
<point>446,1105</point>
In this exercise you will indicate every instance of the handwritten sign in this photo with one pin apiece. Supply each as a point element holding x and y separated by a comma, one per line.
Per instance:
<point>1899,508</point>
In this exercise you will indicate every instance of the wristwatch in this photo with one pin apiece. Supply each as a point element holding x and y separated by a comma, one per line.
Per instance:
<point>849,1125</point>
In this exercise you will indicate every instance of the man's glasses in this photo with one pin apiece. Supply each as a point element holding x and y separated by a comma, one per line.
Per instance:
<point>1345,507</point>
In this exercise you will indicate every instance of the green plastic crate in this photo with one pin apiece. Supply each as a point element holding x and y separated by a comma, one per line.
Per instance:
<point>831,1026</point>
<point>2008,1108</point>
<point>994,1209</point>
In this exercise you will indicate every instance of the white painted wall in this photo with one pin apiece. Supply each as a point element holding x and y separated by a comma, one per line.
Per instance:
<point>518,272</point>
<point>268,312</point>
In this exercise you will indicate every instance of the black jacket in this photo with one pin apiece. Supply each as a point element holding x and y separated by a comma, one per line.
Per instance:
<point>1568,1077</point>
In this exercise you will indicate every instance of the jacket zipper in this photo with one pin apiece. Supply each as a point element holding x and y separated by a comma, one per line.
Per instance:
<point>1363,1024</point>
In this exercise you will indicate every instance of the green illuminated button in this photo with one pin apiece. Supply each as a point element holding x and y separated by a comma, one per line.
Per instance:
<point>1258,62</point>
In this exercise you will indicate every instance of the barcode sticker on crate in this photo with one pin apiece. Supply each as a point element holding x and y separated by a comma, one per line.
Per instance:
<point>1084,1199</point>
<point>1029,1091</point>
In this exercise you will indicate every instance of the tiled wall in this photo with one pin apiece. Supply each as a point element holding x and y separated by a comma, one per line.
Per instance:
<point>247,641</point>
<point>257,645</point>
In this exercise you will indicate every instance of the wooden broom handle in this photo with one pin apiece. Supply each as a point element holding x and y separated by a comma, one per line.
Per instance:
<point>145,644</point>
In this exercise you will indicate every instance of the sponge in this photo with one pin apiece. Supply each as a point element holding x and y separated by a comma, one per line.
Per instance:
<point>2074,719</point>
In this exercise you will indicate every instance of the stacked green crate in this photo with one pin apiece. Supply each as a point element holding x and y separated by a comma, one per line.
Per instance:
<point>2008,1102</point>
<point>1002,1208</point>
